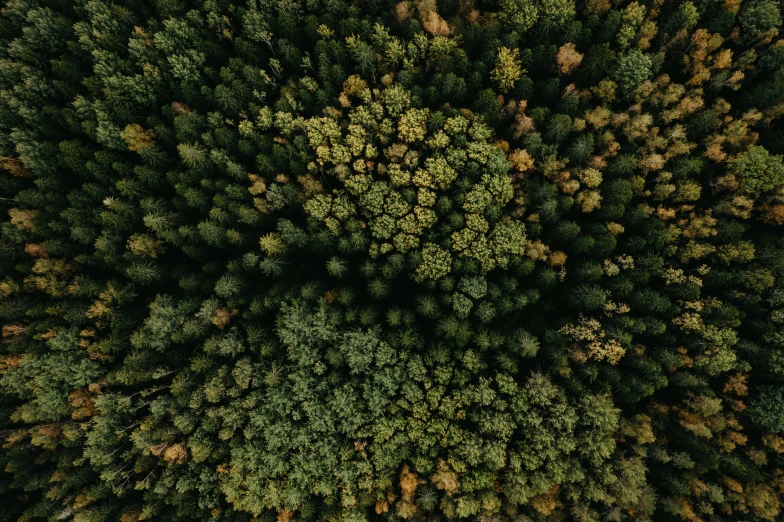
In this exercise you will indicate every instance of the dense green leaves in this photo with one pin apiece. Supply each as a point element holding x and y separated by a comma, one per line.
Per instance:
<point>422,260</point>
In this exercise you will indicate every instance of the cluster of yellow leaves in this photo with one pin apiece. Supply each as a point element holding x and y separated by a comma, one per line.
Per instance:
<point>508,68</point>
<point>599,346</point>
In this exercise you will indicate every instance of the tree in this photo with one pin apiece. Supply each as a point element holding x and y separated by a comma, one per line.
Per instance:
<point>521,15</point>
<point>759,18</point>
<point>556,14</point>
<point>632,68</point>
<point>767,410</point>
<point>508,69</point>
<point>435,263</point>
<point>568,58</point>
<point>757,170</point>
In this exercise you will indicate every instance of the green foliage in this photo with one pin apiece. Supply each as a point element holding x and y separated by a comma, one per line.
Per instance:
<point>767,409</point>
<point>556,14</point>
<point>521,15</point>
<point>760,18</point>
<point>432,260</point>
<point>632,69</point>
<point>435,263</point>
<point>758,171</point>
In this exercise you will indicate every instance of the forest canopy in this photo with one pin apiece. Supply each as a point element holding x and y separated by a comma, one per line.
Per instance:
<point>428,260</point>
